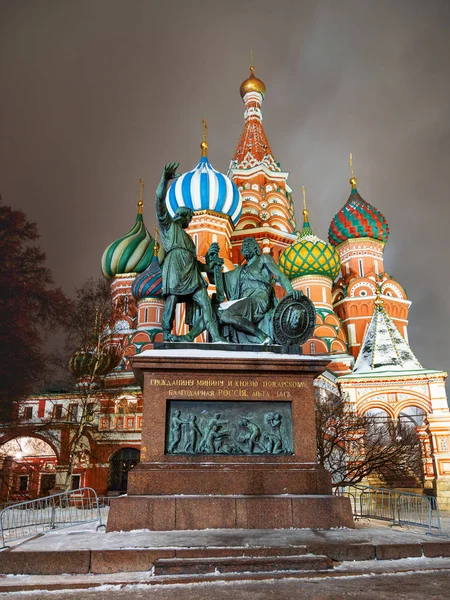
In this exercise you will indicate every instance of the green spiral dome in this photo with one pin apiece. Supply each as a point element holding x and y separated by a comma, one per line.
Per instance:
<point>131,253</point>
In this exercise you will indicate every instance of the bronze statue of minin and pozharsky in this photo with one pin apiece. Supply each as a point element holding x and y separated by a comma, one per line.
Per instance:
<point>251,314</point>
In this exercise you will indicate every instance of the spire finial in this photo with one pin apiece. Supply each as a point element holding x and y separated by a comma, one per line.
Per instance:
<point>140,203</point>
<point>378,300</point>
<point>204,144</point>
<point>252,83</point>
<point>353,179</point>
<point>305,210</point>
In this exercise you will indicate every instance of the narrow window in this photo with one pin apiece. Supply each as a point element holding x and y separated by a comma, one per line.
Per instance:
<point>90,408</point>
<point>308,292</point>
<point>28,412</point>
<point>361,267</point>
<point>73,412</point>
<point>48,482</point>
<point>57,411</point>
<point>76,480</point>
<point>23,483</point>
<point>312,347</point>
<point>352,335</point>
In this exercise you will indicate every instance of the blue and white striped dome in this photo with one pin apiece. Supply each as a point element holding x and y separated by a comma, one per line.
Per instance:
<point>204,188</point>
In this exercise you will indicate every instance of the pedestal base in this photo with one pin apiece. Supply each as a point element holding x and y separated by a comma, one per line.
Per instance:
<point>228,441</point>
<point>229,478</point>
<point>167,513</point>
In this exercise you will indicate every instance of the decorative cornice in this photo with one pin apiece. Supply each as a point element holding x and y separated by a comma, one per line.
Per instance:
<point>150,301</point>
<point>123,276</point>
<point>387,380</point>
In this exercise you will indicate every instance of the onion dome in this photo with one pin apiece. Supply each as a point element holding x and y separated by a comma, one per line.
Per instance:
<point>309,255</point>
<point>252,84</point>
<point>357,219</point>
<point>131,253</point>
<point>91,362</point>
<point>204,188</point>
<point>149,283</point>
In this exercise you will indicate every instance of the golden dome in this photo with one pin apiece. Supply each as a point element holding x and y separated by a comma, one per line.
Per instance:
<point>252,84</point>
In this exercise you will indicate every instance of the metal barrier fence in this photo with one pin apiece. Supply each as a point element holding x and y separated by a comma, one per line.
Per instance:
<point>402,508</point>
<point>66,509</point>
<point>105,501</point>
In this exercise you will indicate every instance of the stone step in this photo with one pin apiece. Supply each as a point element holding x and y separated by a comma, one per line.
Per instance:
<point>212,552</point>
<point>114,581</point>
<point>22,561</point>
<point>241,564</point>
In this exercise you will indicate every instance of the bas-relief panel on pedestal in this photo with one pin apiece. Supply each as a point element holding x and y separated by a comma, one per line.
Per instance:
<point>229,427</point>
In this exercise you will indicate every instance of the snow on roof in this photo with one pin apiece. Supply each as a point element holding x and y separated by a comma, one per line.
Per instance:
<point>384,348</point>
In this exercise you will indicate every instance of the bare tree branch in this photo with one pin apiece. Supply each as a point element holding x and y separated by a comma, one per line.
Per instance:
<point>353,447</point>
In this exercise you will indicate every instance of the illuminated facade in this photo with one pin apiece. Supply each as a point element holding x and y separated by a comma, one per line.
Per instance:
<point>362,312</point>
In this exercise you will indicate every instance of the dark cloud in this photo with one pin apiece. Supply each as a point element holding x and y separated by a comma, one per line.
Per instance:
<point>98,94</point>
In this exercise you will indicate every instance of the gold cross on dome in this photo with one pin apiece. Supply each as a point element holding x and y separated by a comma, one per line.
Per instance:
<point>141,188</point>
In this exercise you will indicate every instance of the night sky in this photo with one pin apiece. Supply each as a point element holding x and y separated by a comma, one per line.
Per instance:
<point>97,93</point>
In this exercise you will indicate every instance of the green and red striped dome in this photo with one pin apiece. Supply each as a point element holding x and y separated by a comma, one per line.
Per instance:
<point>357,219</point>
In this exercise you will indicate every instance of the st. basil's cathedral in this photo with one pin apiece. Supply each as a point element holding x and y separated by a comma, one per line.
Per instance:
<point>361,316</point>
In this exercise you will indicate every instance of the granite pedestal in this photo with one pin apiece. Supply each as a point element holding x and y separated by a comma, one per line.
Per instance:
<point>226,488</point>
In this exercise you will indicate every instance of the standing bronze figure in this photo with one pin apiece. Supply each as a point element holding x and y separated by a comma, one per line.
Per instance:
<point>182,280</point>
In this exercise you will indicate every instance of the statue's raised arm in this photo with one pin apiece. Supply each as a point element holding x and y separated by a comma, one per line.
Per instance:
<point>162,214</point>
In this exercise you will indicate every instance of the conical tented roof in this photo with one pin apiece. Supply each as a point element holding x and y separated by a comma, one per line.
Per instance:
<point>384,348</point>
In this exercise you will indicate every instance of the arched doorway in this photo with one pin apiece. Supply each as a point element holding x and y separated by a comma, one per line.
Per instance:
<point>410,421</point>
<point>394,446</point>
<point>120,463</point>
<point>27,468</point>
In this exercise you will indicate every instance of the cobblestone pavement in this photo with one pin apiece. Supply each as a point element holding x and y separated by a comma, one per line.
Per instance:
<point>405,586</point>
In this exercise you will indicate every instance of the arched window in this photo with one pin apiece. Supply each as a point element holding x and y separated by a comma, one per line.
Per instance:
<point>411,417</point>
<point>378,426</point>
